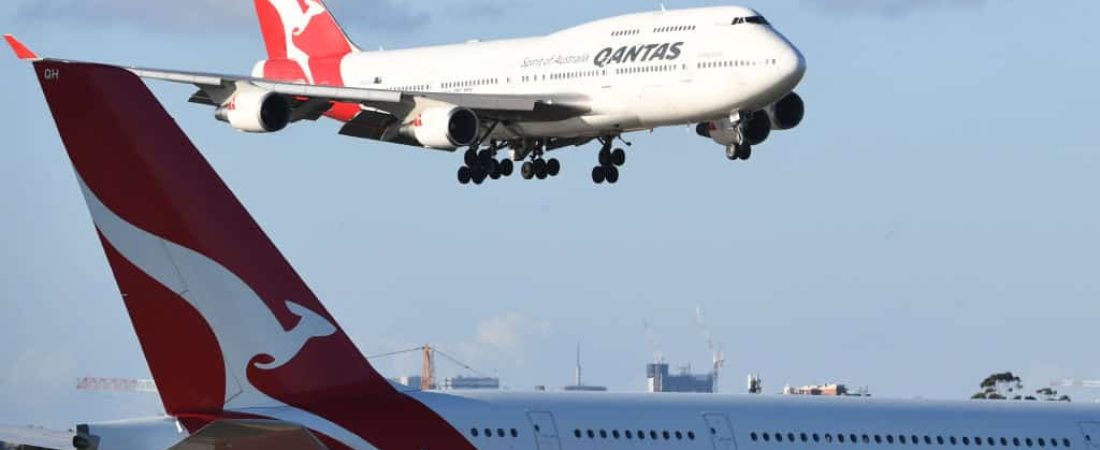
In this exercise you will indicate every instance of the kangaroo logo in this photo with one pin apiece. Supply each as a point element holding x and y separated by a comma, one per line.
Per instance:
<point>310,9</point>
<point>246,329</point>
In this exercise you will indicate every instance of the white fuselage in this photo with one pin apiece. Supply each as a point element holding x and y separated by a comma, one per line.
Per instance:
<point>597,421</point>
<point>639,71</point>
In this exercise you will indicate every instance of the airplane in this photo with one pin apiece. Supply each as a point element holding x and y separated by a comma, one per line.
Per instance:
<point>725,70</point>
<point>245,356</point>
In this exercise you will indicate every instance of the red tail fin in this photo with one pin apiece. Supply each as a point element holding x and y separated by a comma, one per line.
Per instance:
<point>200,279</point>
<point>226,324</point>
<point>304,42</point>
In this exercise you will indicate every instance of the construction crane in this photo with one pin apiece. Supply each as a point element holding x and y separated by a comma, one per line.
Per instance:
<point>718,358</point>
<point>427,367</point>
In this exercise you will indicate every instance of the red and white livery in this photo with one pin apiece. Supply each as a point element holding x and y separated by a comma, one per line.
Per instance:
<point>245,356</point>
<point>725,70</point>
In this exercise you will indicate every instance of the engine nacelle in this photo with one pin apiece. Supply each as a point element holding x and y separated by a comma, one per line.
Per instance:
<point>755,129</point>
<point>445,127</point>
<point>787,113</point>
<point>141,434</point>
<point>255,110</point>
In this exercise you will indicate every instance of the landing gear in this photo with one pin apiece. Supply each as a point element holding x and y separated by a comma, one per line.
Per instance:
<point>540,168</point>
<point>739,151</point>
<point>482,164</point>
<point>610,161</point>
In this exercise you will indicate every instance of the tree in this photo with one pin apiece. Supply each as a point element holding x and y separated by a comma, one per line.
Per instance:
<point>1006,385</point>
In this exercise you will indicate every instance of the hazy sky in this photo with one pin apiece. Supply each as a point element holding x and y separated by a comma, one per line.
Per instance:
<point>933,220</point>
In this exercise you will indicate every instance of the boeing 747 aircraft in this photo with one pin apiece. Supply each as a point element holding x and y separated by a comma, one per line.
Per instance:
<point>724,70</point>
<point>246,357</point>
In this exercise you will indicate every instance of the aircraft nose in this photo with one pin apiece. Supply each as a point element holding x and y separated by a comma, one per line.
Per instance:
<point>793,66</point>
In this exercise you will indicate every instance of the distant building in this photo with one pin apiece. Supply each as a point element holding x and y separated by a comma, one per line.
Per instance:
<point>453,383</point>
<point>829,390</point>
<point>463,383</point>
<point>659,379</point>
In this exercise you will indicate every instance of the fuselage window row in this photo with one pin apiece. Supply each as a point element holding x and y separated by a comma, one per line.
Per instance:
<point>625,33</point>
<point>671,29</point>
<point>641,435</point>
<point>734,63</point>
<point>500,432</point>
<point>853,438</point>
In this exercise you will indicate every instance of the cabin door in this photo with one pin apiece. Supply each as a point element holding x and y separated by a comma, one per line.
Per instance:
<point>718,425</point>
<point>546,433</point>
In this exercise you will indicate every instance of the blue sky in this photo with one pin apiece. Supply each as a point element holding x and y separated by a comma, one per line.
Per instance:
<point>932,221</point>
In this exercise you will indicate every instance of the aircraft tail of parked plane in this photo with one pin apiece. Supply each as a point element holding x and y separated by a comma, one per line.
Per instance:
<point>227,326</point>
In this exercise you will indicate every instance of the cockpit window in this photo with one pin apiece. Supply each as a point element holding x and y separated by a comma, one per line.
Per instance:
<point>759,20</point>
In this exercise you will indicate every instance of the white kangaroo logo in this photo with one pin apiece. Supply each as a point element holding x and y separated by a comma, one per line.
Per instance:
<point>301,22</point>
<point>242,323</point>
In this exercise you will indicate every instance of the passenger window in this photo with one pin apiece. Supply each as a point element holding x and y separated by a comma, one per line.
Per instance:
<point>615,434</point>
<point>653,434</point>
<point>679,435</point>
<point>767,437</point>
<point>576,433</point>
<point>778,437</point>
<point>817,437</point>
<point>488,432</point>
<point>1065,442</point>
<point>1053,442</point>
<point>828,438</point>
<point>1016,442</point>
<point>901,439</point>
<point>1028,442</point>
<point>915,440</point>
<point>628,434</point>
<point>591,434</point>
<point>889,439</point>
<point>641,435</point>
<point>878,438</point>
<point>928,439</point>
<point>603,434</point>
<point>939,440</point>
<point>790,437</point>
<point>473,432</point>
<point>966,440</point>
<point>840,438</point>
<point>853,438</point>
<point>665,434</point>
<point>804,437</point>
<point>691,435</point>
<point>1042,442</point>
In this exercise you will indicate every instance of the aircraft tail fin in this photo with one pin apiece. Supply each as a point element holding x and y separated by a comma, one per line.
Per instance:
<point>304,42</point>
<point>223,319</point>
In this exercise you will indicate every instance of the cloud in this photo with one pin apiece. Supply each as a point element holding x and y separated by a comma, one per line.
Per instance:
<point>206,15</point>
<point>891,8</point>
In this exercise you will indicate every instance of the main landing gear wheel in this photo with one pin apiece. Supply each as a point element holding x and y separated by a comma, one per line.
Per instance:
<point>610,160</point>
<point>739,151</point>
<point>600,174</point>
<point>483,164</point>
<point>540,168</point>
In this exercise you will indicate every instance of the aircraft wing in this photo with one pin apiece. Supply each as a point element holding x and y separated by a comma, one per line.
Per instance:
<point>215,87</point>
<point>251,435</point>
<point>36,437</point>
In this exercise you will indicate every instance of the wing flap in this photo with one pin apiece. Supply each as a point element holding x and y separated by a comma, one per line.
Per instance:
<point>251,435</point>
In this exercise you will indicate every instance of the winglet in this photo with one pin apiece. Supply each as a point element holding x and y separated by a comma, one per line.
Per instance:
<point>21,50</point>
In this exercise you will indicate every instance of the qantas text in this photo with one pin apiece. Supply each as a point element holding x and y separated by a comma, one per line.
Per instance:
<point>638,53</point>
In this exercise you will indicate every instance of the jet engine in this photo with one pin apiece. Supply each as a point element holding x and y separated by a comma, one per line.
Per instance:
<point>787,113</point>
<point>755,130</point>
<point>255,110</point>
<point>445,127</point>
